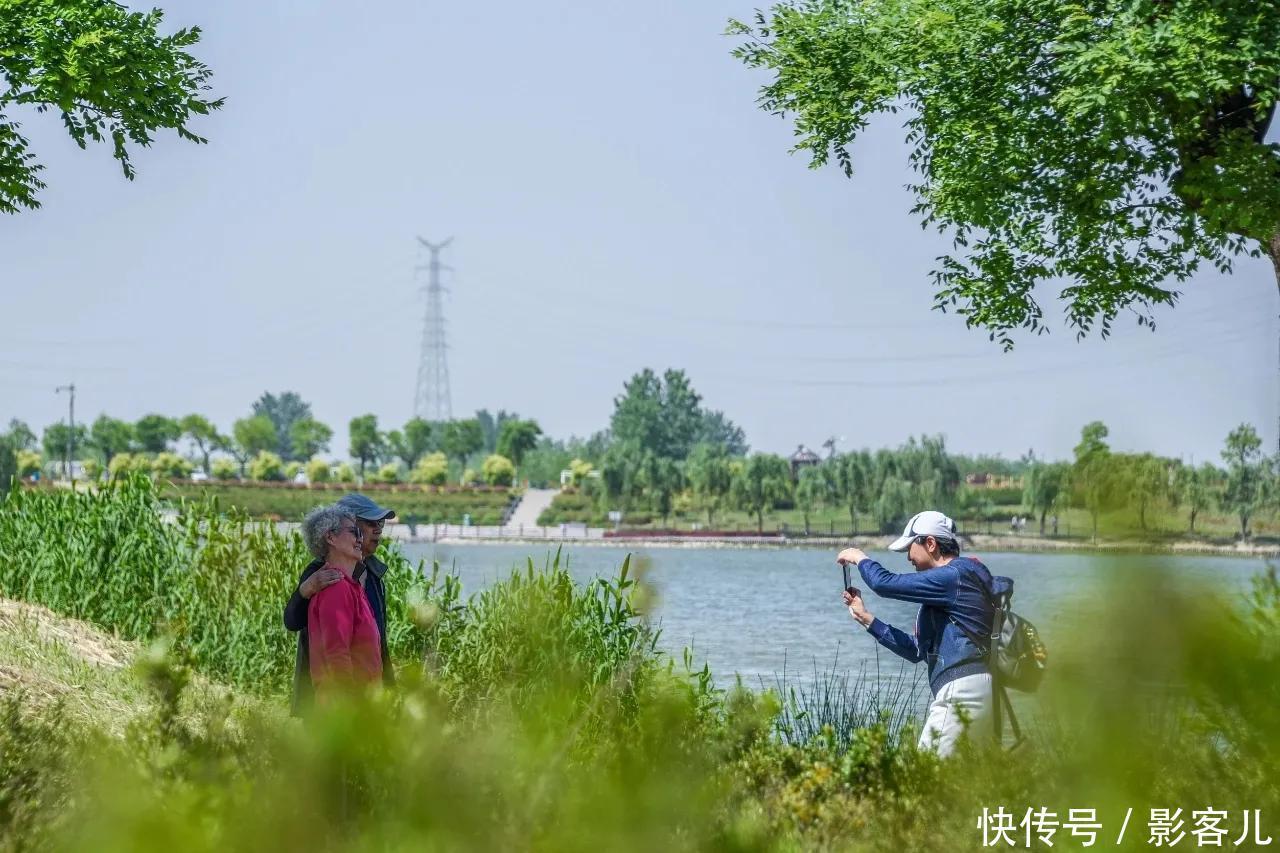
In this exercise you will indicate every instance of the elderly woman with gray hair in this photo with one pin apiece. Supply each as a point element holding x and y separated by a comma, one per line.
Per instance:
<point>346,648</point>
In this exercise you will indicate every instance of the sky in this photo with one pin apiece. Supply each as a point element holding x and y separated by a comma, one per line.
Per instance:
<point>616,201</point>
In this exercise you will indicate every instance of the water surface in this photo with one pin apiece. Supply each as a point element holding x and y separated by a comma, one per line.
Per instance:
<point>752,612</point>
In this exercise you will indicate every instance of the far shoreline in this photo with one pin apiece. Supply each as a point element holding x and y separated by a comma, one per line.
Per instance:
<point>976,543</point>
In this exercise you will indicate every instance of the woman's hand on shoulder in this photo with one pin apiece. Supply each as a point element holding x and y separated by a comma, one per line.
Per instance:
<point>318,581</point>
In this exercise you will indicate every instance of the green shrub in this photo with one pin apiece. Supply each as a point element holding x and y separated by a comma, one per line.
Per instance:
<point>126,464</point>
<point>171,466</point>
<point>291,471</point>
<point>29,463</point>
<point>92,469</point>
<point>344,473</point>
<point>266,466</point>
<point>317,471</point>
<point>224,469</point>
<point>498,470</point>
<point>432,469</point>
<point>389,473</point>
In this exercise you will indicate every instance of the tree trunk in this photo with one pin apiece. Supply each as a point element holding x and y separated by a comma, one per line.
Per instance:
<point>760,521</point>
<point>1274,251</point>
<point>1193,521</point>
<point>1043,513</point>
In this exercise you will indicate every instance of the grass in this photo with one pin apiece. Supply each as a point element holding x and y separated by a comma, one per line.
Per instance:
<point>539,715</point>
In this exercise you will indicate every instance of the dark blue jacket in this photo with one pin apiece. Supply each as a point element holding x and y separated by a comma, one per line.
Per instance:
<point>959,592</point>
<point>295,619</point>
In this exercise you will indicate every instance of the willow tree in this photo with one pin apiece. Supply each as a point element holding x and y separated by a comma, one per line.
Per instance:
<point>1109,148</point>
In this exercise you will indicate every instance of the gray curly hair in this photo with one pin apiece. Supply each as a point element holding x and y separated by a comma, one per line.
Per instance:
<point>319,523</point>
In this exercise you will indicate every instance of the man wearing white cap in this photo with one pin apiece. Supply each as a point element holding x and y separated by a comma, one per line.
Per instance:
<point>954,597</point>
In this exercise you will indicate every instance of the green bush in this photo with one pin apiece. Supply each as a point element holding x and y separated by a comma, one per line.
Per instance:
<point>171,466</point>
<point>224,469</point>
<point>92,469</point>
<point>317,471</point>
<point>389,473</point>
<point>498,471</point>
<point>291,470</point>
<point>344,473</point>
<point>427,504</point>
<point>432,469</point>
<point>29,463</point>
<point>266,466</point>
<point>125,464</point>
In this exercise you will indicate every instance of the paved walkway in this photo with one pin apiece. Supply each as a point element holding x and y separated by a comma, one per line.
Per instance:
<point>532,505</point>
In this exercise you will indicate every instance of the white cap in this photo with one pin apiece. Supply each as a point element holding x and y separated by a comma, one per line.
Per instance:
<point>927,523</point>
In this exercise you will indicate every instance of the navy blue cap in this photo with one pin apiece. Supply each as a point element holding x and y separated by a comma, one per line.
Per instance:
<point>364,508</point>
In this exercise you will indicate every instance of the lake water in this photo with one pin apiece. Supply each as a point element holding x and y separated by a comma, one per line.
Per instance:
<point>753,612</point>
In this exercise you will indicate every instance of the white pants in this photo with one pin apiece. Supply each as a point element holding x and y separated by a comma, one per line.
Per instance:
<point>961,705</point>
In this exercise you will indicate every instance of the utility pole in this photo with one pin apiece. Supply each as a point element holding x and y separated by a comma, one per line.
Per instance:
<point>432,399</point>
<point>71,429</point>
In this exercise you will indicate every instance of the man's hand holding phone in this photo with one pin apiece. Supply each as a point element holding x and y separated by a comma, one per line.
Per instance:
<point>857,609</point>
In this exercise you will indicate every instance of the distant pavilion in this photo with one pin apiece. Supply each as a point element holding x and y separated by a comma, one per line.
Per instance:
<point>803,458</point>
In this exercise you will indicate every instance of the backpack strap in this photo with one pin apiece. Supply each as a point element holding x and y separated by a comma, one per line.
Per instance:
<point>999,696</point>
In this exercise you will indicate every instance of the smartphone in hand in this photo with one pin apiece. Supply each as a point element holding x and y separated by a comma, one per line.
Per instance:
<point>848,581</point>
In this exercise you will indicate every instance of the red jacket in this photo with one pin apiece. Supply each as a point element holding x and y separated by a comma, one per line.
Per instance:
<point>346,648</point>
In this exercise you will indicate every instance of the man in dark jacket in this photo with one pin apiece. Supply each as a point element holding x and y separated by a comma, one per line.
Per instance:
<point>368,574</point>
<point>954,594</point>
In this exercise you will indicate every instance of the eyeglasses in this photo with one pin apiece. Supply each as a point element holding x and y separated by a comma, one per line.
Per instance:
<point>354,530</point>
<point>374,525</point>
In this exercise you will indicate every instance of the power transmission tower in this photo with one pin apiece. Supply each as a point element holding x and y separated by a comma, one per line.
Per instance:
<point>432,400</point>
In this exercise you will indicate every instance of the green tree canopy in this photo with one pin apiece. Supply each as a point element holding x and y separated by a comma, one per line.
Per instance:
<point>1246,475</point>
<point>108,73</point>
<point>710,476</point>
<point>1108,148</point>
<point>284,410</point>
<point>718,429</point>
<point>1198,489</point>
<point>203,434</point>
<point>21,437</point>
<point>516,438</point>
<point>252,437</point>
<point>764,480</point>
<point>55,439</point>
<point>156,432</point>
<point>1093,473</point>
<point>308,437</point>
<point>109,436</point>
<point>491,426</point>
<point>661,415</point>
<point>417,439</point>
<point>8,462</point>
<point>813,489</point>
<point>1042,486</point>
<point>460,439</point>
<point>367,444</point>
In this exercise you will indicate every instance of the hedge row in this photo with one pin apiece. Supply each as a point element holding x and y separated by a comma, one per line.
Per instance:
<point>424,505</point>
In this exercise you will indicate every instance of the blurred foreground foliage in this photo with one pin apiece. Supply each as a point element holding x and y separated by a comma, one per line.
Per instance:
<point>541,715</point>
